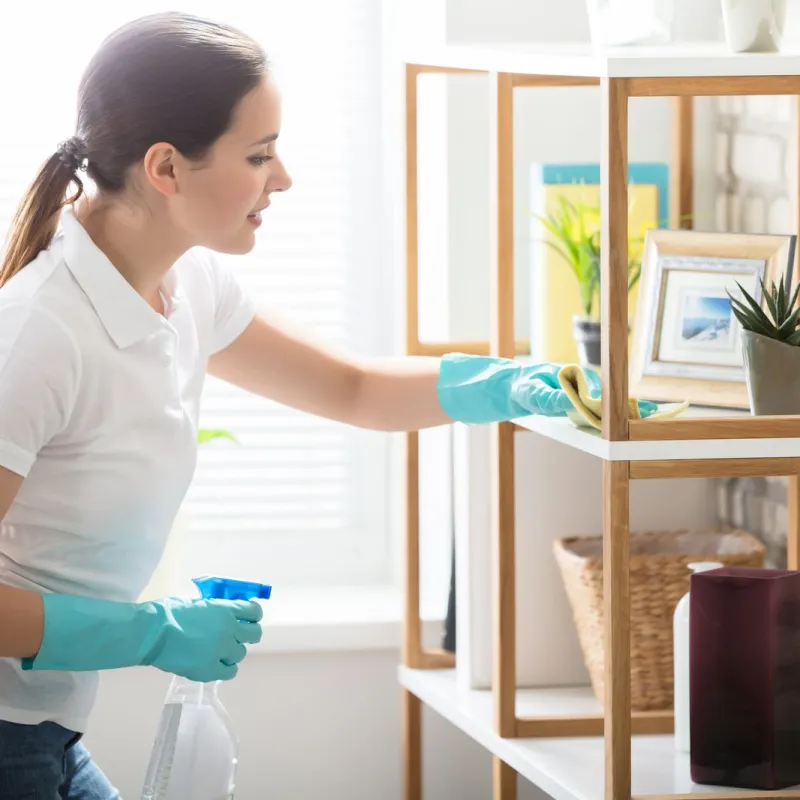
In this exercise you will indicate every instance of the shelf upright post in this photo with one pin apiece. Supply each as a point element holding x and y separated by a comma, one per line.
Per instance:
<point>502,344</point>
<point>614,258</point>
<point>681,190</point>
<point>616,474</point>
<point>793,494</point>
<point>412,645</point>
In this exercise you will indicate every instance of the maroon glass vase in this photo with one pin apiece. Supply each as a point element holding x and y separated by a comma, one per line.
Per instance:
<point>744,654</point>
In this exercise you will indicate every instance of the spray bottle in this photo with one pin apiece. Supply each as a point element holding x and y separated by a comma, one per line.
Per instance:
<point>196,750</point>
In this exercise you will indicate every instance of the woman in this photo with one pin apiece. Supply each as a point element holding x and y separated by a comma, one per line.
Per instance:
<point>108,326</point>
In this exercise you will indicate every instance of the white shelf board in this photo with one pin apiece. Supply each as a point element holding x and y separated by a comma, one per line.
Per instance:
<point>691,59</point>
<point>564,768</point>
<point>590,440</point>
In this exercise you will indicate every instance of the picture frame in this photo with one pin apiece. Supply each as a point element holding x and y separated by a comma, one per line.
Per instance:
<point>686,341</point>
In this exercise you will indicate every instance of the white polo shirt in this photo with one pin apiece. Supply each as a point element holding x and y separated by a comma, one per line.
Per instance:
<point>99,398</point>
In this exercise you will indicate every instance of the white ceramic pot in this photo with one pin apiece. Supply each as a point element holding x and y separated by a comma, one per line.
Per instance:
<point>754,26</point>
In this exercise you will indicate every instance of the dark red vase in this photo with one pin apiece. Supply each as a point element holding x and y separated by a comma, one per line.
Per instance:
<point>744,655</point>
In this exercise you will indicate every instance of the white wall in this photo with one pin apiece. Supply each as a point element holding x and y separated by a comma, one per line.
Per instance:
<point>566,20</point>
<point>311,727</point>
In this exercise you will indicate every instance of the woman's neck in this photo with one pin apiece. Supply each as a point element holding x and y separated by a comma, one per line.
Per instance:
<point>140,244</point>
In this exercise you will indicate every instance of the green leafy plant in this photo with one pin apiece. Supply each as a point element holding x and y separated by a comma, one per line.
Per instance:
<point>575,228</point>
<point>780,324</point>
<point>207,434</point>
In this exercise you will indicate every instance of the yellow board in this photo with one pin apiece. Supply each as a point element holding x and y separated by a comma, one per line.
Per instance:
<point>560,299</point>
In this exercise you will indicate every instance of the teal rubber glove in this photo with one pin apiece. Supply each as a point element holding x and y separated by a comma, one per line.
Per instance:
<point>481,389</point>
<point>202,640</point>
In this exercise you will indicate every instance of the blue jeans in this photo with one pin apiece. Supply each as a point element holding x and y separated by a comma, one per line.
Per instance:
<point>48,762</point>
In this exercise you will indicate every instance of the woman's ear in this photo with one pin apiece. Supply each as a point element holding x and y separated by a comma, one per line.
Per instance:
<point>160,168</point>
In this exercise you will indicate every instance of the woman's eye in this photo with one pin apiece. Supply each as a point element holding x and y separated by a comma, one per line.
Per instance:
<point>260,160</point>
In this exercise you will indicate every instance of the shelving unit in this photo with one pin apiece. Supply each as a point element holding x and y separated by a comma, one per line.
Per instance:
<point>562,740</point>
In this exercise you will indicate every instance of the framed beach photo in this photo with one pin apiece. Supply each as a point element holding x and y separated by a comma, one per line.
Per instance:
<point>686,340</point>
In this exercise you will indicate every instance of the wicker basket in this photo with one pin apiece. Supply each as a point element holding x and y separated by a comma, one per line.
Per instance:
<point>659,577</point>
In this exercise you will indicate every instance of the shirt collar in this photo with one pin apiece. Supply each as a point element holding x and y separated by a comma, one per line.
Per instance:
<point>124,313</point>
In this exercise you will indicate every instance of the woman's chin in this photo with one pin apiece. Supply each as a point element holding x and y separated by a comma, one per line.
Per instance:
<point>237,245</point>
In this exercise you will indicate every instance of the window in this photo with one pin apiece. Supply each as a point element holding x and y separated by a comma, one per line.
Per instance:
<point>297,500</point>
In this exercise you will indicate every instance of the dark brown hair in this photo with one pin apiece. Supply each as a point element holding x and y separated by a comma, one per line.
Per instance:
<point>167,77</point>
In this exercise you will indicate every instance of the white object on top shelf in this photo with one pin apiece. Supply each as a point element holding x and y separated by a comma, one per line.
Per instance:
<point>591,441</point>
<point>564,768</point>
<point>690,59</point>
<point>755,26</point>
<point>627,22</point>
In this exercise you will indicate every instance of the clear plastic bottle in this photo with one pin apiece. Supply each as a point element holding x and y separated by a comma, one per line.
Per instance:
<point>195,753</point>
<point>680,633</point>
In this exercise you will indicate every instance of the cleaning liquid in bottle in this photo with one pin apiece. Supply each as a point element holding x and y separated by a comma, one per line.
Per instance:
<point>680,632</point>
<point>196,750</point>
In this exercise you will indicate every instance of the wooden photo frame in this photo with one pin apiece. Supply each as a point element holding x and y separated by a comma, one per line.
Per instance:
<point>686,341</point>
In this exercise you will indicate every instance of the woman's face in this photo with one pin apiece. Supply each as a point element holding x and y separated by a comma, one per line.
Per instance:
<point>218,203</point>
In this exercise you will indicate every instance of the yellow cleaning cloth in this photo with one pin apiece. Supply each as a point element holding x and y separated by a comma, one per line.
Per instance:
<point>588,411</point>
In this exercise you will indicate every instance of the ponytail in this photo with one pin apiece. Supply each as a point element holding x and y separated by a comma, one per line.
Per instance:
<point>36,219</point>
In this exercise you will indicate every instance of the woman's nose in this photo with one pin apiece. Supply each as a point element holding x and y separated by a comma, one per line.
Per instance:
<point>279,180</point>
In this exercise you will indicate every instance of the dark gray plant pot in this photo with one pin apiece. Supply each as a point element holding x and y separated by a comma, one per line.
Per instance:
<point>772,371</point>
<point>586,333</point>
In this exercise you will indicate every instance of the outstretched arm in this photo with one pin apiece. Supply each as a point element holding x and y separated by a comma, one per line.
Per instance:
<point>274,359</point>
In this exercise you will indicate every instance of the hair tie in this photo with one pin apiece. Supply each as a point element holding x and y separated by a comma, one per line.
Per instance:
<point>72,153</point>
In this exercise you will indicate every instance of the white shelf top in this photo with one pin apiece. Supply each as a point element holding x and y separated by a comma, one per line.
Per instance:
<point>691,59</point>
<point>564,768</point>
<point>591,441</point>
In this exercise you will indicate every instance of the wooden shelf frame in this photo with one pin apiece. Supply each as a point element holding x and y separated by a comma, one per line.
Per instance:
<point>617,723</point>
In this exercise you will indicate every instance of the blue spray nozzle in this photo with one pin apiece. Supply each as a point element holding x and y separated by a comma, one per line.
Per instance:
<point>230,589</point>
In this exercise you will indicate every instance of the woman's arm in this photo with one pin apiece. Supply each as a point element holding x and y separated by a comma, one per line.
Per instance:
<point>277,361</point>
<point>399,394</point>
<point>21,612</point>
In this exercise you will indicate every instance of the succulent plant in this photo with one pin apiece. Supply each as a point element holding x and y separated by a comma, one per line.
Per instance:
<point>780,323</point>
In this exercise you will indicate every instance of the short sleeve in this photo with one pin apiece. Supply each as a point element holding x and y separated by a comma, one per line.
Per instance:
<point>39,378</point>
<point>234,310</point>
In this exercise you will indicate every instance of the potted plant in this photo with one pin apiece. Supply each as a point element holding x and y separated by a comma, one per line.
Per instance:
<point>575,228</point>
<point>771,349</point>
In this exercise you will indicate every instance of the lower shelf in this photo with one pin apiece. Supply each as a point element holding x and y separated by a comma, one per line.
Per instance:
<point>564,768</point>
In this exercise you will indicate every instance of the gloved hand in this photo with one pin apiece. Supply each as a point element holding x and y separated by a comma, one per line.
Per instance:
<point>480,389</point>
<point>538,390</point>
<point>202,640</point>
<point>587,408</point>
